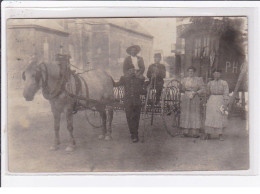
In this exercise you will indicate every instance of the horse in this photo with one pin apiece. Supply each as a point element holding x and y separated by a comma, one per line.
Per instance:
<point>66,90</point>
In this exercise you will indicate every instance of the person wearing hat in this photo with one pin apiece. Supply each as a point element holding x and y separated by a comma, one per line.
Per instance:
<point>156,73</point>
<point>133,82</point>
<point>134,61</point>
<point>133,87</point>
<point>216,116</point>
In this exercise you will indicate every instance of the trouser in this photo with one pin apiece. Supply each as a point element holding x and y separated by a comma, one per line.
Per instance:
<point>158,87</point>
<point>158,93</point>
<point>133,117</point>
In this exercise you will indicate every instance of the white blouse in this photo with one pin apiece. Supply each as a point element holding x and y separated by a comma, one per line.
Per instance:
<point>134,61</point>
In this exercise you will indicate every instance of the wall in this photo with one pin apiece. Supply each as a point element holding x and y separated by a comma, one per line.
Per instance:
<point>20,47</point>
<point>230,62</point>
<point>103,45</point>
<point>100,46</point>
<point>24,43</point>
<point>227,58</point>
<point>120,40</point>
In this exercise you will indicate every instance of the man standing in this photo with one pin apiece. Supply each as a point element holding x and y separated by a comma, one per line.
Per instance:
<point>134,61</point>
<point>133,89</point>
<point>156,73</point>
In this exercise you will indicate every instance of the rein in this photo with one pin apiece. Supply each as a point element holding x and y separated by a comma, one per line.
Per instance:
<point>60,87</point>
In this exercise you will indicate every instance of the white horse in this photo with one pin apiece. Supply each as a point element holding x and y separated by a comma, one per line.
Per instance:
<point>64,90</point>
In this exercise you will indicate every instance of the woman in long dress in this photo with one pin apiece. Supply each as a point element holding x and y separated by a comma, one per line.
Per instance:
<point>190,120</point>
<point>216,118</point>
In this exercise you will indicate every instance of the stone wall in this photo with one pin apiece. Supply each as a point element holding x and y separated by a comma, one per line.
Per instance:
<point>24,43</point>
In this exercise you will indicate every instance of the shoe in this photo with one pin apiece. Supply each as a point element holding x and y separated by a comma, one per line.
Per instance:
<point>221,138</point>
<point>205,137</point>
<point>135,139</point>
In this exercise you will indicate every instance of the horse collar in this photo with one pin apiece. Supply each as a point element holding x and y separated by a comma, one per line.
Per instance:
<point>45,87</point>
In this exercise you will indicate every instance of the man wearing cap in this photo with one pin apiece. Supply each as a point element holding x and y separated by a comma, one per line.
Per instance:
<point>134,61</point>
<point>133,89</point>
<point>156,73</point>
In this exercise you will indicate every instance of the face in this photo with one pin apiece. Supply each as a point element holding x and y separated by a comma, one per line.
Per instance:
<point>133,52</point>
<point>157,59</point>
<point>190,72</point>
<point>31,79</point>
<point>216,75</point>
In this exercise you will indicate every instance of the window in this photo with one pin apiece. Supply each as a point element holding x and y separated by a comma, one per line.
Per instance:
<point>206,46</point>
<point>197,48</point>
<point>202,46</point>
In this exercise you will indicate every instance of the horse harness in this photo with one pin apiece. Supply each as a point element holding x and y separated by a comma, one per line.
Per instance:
<point>49,95</point>
<point>65,78</point>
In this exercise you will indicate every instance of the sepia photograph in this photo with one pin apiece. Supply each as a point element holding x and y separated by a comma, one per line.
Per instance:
<point>127,94</point>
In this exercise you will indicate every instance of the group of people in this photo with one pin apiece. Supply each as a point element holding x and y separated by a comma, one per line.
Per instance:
<point>134,83</point>
<point>193,87</point>
<point>216,108</point>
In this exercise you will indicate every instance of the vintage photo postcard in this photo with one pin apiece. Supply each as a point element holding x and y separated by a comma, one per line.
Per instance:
<point>151,94</point>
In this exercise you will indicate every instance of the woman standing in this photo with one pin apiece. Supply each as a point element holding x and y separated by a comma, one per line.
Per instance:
<point>190,121</point>
<point>217,103</point>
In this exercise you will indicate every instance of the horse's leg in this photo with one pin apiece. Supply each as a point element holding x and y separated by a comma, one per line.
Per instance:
<point>69,117</point>
<point>56,115</point>
<point>103,116</point>
<point>109,114</point>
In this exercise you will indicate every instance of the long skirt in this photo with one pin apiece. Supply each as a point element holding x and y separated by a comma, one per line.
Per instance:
<point>215,120</point>
<point>190,112</point>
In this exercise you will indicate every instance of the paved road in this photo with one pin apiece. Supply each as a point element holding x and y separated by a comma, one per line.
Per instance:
<point>30,135</point>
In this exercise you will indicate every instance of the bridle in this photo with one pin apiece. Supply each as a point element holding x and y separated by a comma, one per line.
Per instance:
<point>60,84</point>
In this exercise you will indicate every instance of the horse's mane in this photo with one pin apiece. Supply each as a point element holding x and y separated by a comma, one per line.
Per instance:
<point>53,68</point>
<point>32,65</point>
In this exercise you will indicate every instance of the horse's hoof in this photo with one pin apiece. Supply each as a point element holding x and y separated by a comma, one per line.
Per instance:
<point>108,138</point>
<point>70,148</point>
<point>54,148</point>
<point>100,137</point>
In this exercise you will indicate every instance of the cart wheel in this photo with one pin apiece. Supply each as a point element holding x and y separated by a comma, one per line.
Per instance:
<point>171,123</point>
<point>93,118</point>
<point>145,126</point>
<point>171,107</point>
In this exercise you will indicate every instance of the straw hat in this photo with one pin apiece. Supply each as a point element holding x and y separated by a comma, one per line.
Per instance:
<point>137,47</point>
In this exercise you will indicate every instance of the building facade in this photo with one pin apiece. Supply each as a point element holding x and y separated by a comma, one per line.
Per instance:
<point>27,39</point>
<point>91,43</point>
<point>210,43</point>
<point>102,43</point>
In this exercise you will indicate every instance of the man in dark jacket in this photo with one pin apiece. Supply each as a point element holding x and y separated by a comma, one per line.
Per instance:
<point>134,61</point>
<point>133,89</point>
<point>156,72</point>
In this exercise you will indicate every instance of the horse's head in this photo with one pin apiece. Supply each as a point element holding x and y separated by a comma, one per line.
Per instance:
<point>31,77</point>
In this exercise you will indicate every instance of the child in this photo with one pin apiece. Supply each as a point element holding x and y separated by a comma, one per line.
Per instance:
<point>156,72</point>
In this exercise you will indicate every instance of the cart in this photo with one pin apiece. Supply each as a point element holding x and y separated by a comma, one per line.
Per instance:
<point>168,110</point>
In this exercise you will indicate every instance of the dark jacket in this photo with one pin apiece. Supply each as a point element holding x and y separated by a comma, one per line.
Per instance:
<point>160,72</point>
<point>128,64</point>
<point>133,89</point>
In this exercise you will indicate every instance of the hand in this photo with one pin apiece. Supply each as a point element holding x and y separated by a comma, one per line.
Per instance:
<point>131,72</point>
<point>192,94</point>
<point>225,106</point>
